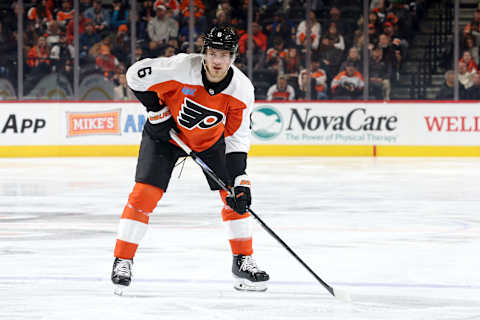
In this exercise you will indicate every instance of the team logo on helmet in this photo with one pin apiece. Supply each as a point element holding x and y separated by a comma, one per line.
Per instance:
<point>224,38</point>
<point>193,115</point>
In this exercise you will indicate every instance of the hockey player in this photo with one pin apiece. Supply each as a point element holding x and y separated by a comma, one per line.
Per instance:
<point>208,101</point>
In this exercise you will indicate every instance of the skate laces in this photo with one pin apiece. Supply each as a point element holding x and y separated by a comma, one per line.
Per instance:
<point>123,267</point>
<point>249,265</point>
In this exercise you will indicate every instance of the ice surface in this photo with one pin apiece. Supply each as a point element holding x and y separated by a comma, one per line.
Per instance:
<point>401,235</point>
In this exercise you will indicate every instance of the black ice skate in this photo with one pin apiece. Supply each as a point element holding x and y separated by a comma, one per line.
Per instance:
<point>121,274</point>
<point>247,275</point>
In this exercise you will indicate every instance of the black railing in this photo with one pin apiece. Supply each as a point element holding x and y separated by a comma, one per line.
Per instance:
<point>435,50</point>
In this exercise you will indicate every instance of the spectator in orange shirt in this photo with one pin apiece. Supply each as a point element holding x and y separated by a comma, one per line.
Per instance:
<point>41,15</point>
<point>259,45</point>
<point>38,62</point>
<point>81,26</point>
<point>198,5</point>
<point>467,58</point>
<point>106,61</point>
<point>66,14</point>
<point>38,56</point>
<point>259,39</point>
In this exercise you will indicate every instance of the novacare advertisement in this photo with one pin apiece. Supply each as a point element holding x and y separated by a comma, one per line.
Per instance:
<point>366,124</point>
<point>301,123</point>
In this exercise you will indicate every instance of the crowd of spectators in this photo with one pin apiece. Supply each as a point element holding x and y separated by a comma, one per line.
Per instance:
<point>337,42</point>
<point>279,40</point>
<point>468,71</point>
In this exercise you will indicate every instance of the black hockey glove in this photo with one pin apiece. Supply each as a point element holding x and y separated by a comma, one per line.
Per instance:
<point>240,198</point>
<point>160,120</point>
<point>159,124</point>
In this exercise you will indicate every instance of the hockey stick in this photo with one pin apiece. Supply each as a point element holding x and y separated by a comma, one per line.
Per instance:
<point>340,294</point>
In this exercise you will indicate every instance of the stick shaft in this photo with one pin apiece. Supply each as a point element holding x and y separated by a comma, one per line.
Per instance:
<point>212,175</point>
<point>276,237</point>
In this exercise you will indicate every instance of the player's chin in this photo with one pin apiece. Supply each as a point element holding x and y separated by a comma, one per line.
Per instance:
<point>218,74</point>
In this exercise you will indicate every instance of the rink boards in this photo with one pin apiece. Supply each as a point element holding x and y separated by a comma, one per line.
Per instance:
<point>340,128</point>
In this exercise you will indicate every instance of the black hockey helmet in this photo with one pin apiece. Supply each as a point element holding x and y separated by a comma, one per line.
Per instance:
<point>221,37</point>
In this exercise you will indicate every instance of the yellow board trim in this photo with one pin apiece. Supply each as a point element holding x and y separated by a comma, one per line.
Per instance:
<point>428,151</point>
<point>69,151</point>
<point>256,150</point>
<point>311,151</point>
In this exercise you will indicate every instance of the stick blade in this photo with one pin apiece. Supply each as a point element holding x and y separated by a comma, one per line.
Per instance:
<point>342,295</point>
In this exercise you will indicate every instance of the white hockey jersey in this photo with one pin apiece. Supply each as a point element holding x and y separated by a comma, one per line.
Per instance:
<point>201,117</point>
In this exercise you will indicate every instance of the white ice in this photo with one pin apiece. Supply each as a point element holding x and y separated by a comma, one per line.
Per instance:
<point>401,235</point>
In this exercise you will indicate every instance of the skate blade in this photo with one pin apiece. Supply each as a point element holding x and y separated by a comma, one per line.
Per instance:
<point>247,285</point>
<point>119,290</point>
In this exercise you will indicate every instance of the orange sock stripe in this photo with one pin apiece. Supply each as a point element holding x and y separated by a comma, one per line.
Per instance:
<point>242,246</point>
<point>131,213</point>
<point>145,197</point>
<point>228,214</point>
<point>125,250</point>
<point>141,202</point>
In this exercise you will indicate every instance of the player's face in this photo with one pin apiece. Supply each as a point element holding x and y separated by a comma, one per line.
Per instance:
<point>217,62</point>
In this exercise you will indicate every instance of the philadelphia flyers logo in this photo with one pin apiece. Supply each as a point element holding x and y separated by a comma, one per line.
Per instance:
<point>194,115</point>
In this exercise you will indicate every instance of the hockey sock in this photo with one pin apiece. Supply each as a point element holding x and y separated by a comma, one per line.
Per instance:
<point>238,229</point>
<point>134,221</point>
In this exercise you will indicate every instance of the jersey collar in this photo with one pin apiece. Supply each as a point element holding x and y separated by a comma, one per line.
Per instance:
<point>214,88</point>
